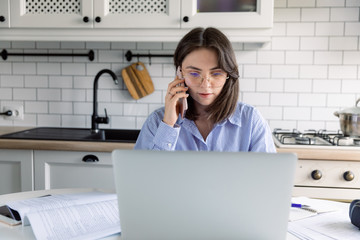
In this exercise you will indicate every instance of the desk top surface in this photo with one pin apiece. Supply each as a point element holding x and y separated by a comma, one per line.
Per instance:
<point>20,232</point>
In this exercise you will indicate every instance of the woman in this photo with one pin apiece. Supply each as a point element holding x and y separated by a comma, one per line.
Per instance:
<point>215,120</point>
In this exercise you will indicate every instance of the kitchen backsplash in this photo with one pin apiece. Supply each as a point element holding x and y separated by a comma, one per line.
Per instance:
<point>309,70</point>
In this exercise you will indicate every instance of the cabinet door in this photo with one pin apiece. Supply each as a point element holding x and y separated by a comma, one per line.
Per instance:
<point>51,14</point>
<point>66,169</point>
<point>4,14</point>
<point>16,171</point>
<point>227,14</point>
<point>137,14</point>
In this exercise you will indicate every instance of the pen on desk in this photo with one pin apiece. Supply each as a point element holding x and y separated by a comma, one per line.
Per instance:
<point>297,205</point>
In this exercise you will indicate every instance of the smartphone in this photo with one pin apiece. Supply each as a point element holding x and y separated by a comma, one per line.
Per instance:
<point>7,216</point>
<point>182,103</point>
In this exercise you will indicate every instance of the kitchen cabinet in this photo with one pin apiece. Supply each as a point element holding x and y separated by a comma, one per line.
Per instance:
<point>115,20</point>
<point>137,14</point>
<point>94,14</point>
<point>229,14</point>
<point>54,14</point>
<point>66,169</point>
<point>16,171</point>
<point>4,14</point>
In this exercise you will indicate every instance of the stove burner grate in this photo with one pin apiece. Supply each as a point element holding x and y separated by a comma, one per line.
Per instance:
<point>305,140</point>
<point>312,137</point>
<point>356,141</point>
<point>343,141</point>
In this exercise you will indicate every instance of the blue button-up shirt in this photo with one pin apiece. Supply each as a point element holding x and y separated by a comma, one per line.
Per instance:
<point>245,130</point>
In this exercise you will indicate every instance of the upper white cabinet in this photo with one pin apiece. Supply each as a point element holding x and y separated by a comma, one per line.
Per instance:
<point>227,14</point>
<point>95,14</point>
<point>137,14</point>
<point>130,20</point>
<point>51,13</point>
<point>4,14</point>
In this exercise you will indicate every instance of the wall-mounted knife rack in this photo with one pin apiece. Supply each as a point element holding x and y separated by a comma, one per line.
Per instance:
<point>90,54</point>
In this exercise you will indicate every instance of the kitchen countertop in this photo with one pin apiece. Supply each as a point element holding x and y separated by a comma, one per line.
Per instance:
<point>346,154</point>
<point>329,153</point>
<point>57,145</point>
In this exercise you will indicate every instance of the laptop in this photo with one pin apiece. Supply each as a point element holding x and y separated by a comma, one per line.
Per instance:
<point>203,195</point>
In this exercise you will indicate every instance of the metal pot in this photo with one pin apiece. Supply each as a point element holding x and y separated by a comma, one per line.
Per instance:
<point>350,120</point>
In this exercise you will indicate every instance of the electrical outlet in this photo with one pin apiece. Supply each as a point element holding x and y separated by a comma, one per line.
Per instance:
<point>17,112</point>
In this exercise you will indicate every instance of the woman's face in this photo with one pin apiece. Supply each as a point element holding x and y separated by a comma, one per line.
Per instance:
<point>203,76</point>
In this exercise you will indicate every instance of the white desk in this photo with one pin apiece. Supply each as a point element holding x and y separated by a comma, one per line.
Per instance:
<point>20,232</point>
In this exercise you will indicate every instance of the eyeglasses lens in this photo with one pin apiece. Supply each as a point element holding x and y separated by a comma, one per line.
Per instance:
<point>215,79</point>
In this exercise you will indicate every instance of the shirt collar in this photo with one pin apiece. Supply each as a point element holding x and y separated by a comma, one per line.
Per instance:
<point>235,117</point>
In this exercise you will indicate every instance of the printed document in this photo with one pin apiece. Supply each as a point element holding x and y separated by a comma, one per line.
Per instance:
<point>90,215</point>
<point>331,222</point>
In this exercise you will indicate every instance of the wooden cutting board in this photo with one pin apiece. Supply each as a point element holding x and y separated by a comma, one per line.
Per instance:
<point>137,80</point>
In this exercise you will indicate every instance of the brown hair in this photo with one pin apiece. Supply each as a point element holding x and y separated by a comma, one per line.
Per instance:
<point>225,103</point>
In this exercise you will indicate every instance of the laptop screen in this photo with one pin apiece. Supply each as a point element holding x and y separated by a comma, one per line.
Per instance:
<point>203,195</point>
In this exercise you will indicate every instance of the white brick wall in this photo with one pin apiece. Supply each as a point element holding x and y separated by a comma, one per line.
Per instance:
<point>309,70</point>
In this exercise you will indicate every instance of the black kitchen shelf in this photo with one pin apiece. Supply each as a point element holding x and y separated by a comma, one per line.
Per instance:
<point>90,54</point>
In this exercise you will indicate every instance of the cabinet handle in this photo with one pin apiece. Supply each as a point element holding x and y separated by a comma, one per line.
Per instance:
<point>86,19</point>
<point>316,174</point>
<point>98,19</point>
<point>186,19</point>
<point>2,19</point>
<point>90,158</point>
<point>349,176</point>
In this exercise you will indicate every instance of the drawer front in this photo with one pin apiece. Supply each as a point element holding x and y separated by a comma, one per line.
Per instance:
<point>322,173</point>
<point>66,169</point>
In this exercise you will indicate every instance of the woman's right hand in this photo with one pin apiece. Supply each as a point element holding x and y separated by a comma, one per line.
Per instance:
<point>176,90</point>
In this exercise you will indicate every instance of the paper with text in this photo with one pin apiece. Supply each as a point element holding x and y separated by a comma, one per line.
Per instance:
<point>56,201</point>
<point>90,215</point>
<point>87,221</point>
<point>334,225</point>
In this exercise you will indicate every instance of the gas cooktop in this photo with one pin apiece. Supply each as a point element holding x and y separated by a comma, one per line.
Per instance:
<point>295,138</point>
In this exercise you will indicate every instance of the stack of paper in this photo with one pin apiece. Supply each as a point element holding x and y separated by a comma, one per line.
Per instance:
<point>331,221</point>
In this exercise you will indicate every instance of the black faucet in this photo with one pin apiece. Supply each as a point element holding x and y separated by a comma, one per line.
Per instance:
<point>95,119</point>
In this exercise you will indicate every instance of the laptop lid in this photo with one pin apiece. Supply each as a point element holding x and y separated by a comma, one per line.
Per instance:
<point>203,195</point>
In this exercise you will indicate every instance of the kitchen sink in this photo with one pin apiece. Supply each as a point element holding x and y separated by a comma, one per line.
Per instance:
<point>75,134</point>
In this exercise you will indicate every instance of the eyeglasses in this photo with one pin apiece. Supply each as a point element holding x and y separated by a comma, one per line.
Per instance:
<point>216,78</point>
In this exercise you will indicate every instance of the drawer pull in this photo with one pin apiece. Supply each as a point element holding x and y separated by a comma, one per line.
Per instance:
<point>90,158</point>
<point>316,174</point>
<point>348,176</point>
